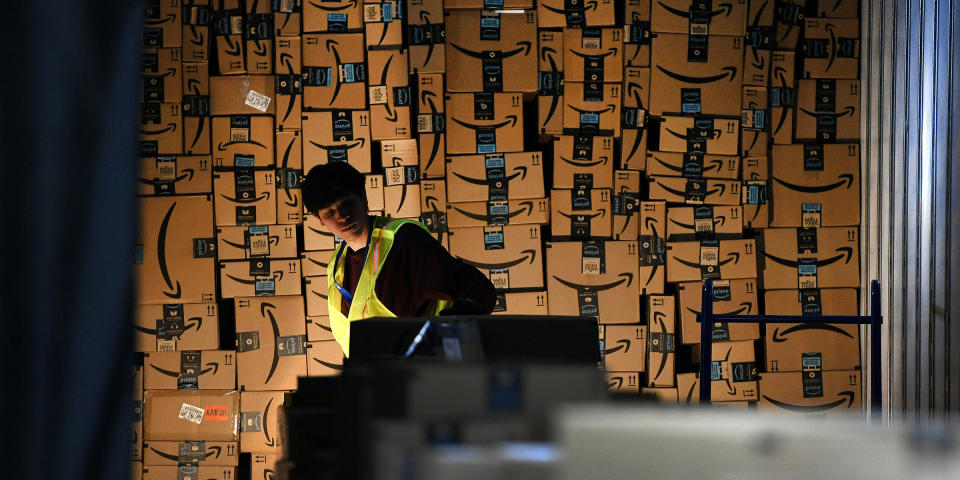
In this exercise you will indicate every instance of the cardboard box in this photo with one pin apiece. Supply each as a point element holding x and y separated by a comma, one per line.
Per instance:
<point>245,135</point>
<point>190,370</point>
<point>513,212</point>
<point>431,125</point>
<point>176,326</point>
<point>315,236</point>
<point>190,453</point>
<point>560,13</point>
<point>510,37</point>
<point>318,329</point>
<point>710,258</point>
<point>756,168</point>
<point>136,436</point>
<point>735,372</point>
<point>489,4</point>
<point>827,257</point>
<point>838,9</point>
<point>581,214</point>
<point>288,51</point>
<point>816,185</point>
<point>316,292</point>
<point>591,109</point>
<point>688,77</point>
<point>161,127</point>
<point>264,466</point>
<point>831,47</point>
<point>550,82</point>
<point>239,95</point>
<point>337,136</point>
<point>695,190</point>
<point>334,71</point>
<point>261,421</point>
<point>195,32</point>
<point>315,263</point>
<point>730,297</point>
<point>593,55</point>
<point>596,279</point>
<point>136,470</point>
<point>175,250</point>
<point>684,17</point>
<point>521,303</point>
<point>484,122</point>
<point>688,388</point>
<point>582,160</point>
<point>812,394</point>
<point>289,100</point>
<point>788,23</point>
<point>162,25</point>
<point>756,206</point>
<point>173,415</point>
<point>196,81</point>
<point>798,346</point>
<point>287,19</point>
<point>160,75</point>
<point>704,220</point>
<point>271,342</point>
<point>661,340</point>
<point>756,61</point>
<point>289,195</point>
<point>332,16</point>
<point>653,248</point>
<point>625,348</point>
<point>259,277</point>
<point>511,256</point>
<point>433,207</point>
<point>172,472</point>
<point>258,43</point>
<point>244,194</point>
<point>783,96</point>
<point>426,36</point>
<point>755,113</point>
<point>633,151</point>
<point>228,37</point>
<point>626,205</point>
<point>663,395</point>
<point>754,143</point>
<point>623,383</point>
<point>175,174</point>
<point>636,88</point>
<point>325,359</point>
<point>389,94</point>
<point>383,25</point>
<point>197,125</point>
<point>716,136</point>
<point>693,165</point>
<point>476,178</point>
<point>828,111</point>
<point>250,241</point>
<point>401,195</point>
<point>637,33</point>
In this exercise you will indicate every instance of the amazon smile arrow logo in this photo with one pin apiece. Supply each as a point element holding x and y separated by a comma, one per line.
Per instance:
<point>780,337</point>
<point>521,47</point>
<point>588,5</point>
<point>266,311</point>
<point>528,206</point>
<point>611,51</point>
<point>266,195</point>
<point>159,21</point>
<point>272,239</point>
<point>511,120</point>
<point>745,308</point>
<point>714,135</point>
<point>715,164</point>
<point>725,8</point>
<point>844,252</point>
<point>277,275</point>
<point>731,257</point>
<point>626,277</point>
<point>600,213</point>
<point>521,172</point>
<point>815,408</point>
<point>848,111</point>
<point>187,326</point>
<point>360,142</point>
<point>171,127</point>
<point>583,164</point>
<point>187,175</point>
<point>720,189</point>
<point>336,8</point>
<point>212,366</point>
<point>333,366</point>
<point>720,220</point>
<point>844,178</point>
<point>162,254</point>
<point>609,108</point>
<point>659,316</point>
<point>624,345</point>
<point>223,146</point>
<point>728,71</point>
<point>499,266</point>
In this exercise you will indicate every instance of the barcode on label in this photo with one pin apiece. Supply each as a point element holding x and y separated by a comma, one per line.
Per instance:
<point>257,100</point>
<point>191,414</point>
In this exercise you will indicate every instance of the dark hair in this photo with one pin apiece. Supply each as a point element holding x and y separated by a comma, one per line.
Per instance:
<point>326,184</point>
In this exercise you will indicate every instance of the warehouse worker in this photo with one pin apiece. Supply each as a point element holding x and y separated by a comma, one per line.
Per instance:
<point>385,267</point>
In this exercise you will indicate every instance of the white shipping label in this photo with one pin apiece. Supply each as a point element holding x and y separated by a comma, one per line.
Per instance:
<point>258,100</point>
<point>191,414</point>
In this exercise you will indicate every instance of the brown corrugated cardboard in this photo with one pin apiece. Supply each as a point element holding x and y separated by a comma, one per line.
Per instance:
<point>561,13</point>
<point>828,111</point>
<point>684,16</point>
<point>287,19</point>
<point>708,258</point>
<point>788,23</point>
<point>191,415</point>
<point>196,129</point>
<point>730,297</point>
<point>258,43</point>
<point>373,189</point>
<point>637,33</point>
<point>666,396</point>
<point>334,71</point>
<point>260,276</point>
<point>175,250</point>
<point>661,340</point>
<point>597,279</point>
<point>623,382</point>
<point>581,214</point>
<point>383,25</point>
<point>694,191</point>
<point>625,348</point>
<point>477,178</point>
<point>831,47</point>
<point>394,153</point>
<point>633,152</point>
<point>521,303</point>
<point>755,200</point>
<point>228,37</point>
<point>706,219</point>
<point>196,79</point>
<point>136,434</point>
<point>161,129</point>
<point>591,109</point>
<point>838,9</point>
<point>229,95</point>
<point>754,143</point>
<point>815,185</point>
<point>489,4</point>
<point>473,33</point>
<point>136,470</point>
<point>172,472</point>
<point>827,257</point>
<point>246,135</point>
<point>700,79</point>
<point>513,212</point>
<point>196,32</point>
<point>431,125</point>
<point>318,329</point>
<point>160,75</point>
<point>626,205</point>
<point>289,195</point>
<point>162,24</point>
<point>735,372</point>
<point>289,150</point>
<point>433,207</point>
<point>190,370</point>
<point>718,136</point>
<point>244,194</point>
<point>315,236</point>
<point>243,242</point>
<point>688,388</point>
<point>550,88</point>
<point>261,421</point>
<point>426,36</point>
<point>389,94</point>
<point>484,123</point>
<point>755,113</point>
<point>578,159</point>
<point>794,347</point>
<point>812,394</point>
<point>170,327</point>
<point>289,83</point>
<point>332,16</point>
<point>593,55</point>
<point>653,254</point>
<point>315,263</point>
<point>175,174</point>
<point>271,342</point>
<point>190,453</point>
<point>636,88</point>
<point>756,168</point>
<point>783,96</point>
<point>337,136</point>
<point>550,114</point>
<point>264,466</point>
<point>401,195</point>
<point>324,359</point>
<point>756,63</point>
<point>316,294</point>
<point>693,165</point>
<point>511,256</point>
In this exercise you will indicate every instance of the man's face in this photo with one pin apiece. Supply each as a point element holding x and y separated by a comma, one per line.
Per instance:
<point>346,218</point>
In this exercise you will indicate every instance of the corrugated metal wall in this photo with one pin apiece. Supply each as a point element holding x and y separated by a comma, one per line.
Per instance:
<point>911,198</point>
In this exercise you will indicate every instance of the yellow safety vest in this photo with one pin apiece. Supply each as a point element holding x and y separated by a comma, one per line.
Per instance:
<point>365,303</point>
